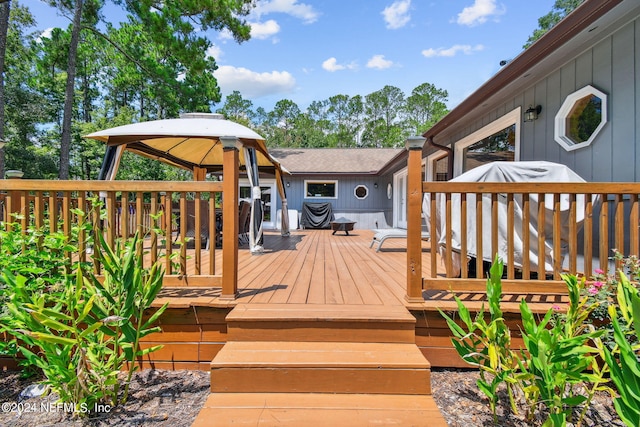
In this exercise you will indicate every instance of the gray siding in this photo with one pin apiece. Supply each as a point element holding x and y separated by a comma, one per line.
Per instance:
<point>612,66</point>
<point>372,212</point>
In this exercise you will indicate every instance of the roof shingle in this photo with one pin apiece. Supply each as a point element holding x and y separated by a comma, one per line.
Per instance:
<point>334,160</point>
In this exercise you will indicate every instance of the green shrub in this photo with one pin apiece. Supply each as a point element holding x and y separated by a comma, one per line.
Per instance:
<point>82,335</point>
<point>559,353</point>
<point>623,360</point>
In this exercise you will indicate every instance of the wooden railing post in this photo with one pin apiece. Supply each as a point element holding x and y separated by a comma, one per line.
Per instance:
<point>14,205</point>
<point>230,218</point>
<point>414,219</point>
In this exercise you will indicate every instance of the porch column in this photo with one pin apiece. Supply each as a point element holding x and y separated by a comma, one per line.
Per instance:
<point>230,175</point>
<point>414,145</point>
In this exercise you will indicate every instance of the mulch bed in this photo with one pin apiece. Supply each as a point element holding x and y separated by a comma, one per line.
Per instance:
<point>174,398</point>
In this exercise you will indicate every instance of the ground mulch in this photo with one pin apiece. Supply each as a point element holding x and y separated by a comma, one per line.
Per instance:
<point>174,398</point>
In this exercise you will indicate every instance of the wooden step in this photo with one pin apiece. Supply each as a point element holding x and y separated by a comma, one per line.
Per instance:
<point>319,322</point>
<point>314,409</point>
<point>320,367</point>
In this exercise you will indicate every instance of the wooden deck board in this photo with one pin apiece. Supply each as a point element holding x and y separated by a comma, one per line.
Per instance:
<point>317,267</point>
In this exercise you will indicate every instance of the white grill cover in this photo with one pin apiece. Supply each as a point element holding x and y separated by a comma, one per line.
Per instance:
<point>538,171</point>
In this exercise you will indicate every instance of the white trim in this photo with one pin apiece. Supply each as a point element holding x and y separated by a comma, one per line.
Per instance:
<point>431,159</point>
<point>271,183</point>
<point>511,118</point>
<point>400,221</point>
<point>560,129</point>
<point>320,181</point>
<point>356,188</point>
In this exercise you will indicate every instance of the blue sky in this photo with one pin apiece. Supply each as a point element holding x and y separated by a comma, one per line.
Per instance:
<point>310,50</point>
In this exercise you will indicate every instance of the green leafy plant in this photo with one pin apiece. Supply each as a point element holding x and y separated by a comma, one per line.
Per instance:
<point>601,291</point>
<point>623,361</point>
<point>83,335</point>
<point>559,355</point>
<point>486,345</point>
<point>41,256</point>
<point>556,368</point>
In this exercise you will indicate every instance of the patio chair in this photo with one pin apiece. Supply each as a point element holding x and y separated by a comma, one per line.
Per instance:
<point>382,234</point>
<point>191,223</point>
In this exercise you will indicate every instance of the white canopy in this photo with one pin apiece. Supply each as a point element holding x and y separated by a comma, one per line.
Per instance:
<point>510,172</point>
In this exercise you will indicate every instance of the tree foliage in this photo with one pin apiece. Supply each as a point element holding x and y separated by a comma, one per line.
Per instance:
<point>561,8</point>
<point>155,64</point>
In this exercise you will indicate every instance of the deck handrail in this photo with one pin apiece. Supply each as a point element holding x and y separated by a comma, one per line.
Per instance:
<point>612,225</point>
<point>148,201</point>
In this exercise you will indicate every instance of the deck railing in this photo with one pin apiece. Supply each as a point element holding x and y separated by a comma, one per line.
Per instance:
<point>182,234</point>
<point>609,215</point>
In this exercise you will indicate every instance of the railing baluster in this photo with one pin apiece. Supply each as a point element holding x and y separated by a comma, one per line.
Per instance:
<point>619,228</point>
<point>479,249</point>
<point>511,226</point>
<point>542,252</point>
<point>526,238</point>
<point>198,235</point>
<point>448,222</point>
<point>634,226</point>
<point>557,237</point>
<point>588,234</point>
<point>124,215</point>
<point>463,236</point>
<point>153,223</point>
<point>604,233</point>
<point>573,234</point>
<point>494,225</point>
<point>213,233</point>
<point>183,232</point>
<point>433,240</point>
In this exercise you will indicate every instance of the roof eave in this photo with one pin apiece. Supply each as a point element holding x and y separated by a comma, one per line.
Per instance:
<point>578,20</point>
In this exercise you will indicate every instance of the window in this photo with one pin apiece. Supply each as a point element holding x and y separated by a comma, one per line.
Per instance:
<point>581,117</point>
<point>499,146</point>
<point>361,192</point>
<point>440,168</point>
<point>497,141</point>
<point>321,189</point>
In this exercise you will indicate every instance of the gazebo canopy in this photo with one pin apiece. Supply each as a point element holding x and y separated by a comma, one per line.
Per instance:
<point>191,142</point>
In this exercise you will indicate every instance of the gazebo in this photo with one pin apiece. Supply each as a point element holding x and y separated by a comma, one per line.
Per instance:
<point>196,142</point>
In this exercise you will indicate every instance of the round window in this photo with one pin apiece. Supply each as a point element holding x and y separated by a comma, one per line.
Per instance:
<point>361,192</point>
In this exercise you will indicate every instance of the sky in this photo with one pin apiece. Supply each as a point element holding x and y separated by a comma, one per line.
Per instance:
<point>311,50</point>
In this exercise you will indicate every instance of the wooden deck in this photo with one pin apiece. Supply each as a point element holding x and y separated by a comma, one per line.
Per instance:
<point>312,267</point>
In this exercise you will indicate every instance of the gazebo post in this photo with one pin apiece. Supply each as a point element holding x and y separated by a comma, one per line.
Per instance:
<point>414,145</point>
<point>230,195</point>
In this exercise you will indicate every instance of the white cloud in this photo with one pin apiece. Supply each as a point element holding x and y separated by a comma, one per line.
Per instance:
<point>332,65</point>
<point>252,84</point>
<point>452,51</point>
<point>264,30</point>
<point>378,61</point>
<point>397,15</point>
<point>290,7</point>
<point>214,51</point>
<point>479,12</point>
<point>46,34</point>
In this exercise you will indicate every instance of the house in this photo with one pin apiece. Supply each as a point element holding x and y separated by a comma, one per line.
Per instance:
<point>570,98</point>
<point>358,182</point>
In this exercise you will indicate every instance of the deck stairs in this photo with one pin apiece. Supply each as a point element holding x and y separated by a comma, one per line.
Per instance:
<point>320,365</point>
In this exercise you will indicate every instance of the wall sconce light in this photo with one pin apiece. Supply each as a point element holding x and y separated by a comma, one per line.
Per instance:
<point>375,185</point>
<point>288,184</point>
<point>532,113</point>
